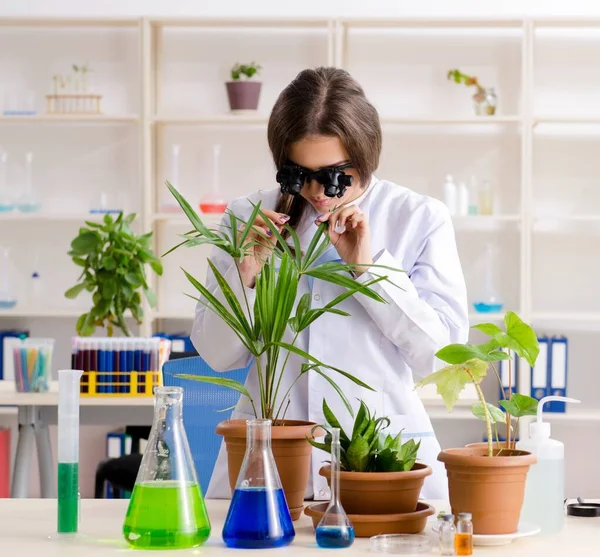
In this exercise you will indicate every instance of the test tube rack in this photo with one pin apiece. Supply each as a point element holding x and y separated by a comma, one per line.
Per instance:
<point>74,103</point>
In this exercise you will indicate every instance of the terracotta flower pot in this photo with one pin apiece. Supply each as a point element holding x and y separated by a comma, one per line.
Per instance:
<point>243,95</point>
<point>482,445</point>
<point>491,489</point>
<point>290,448</point>
<point>380,492</point>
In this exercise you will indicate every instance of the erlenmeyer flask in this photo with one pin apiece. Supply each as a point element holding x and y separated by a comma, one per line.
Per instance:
<point>167,510</point>
<point>258,515</point>
<point>214,201</point>
<point>335,528</point>
<point>488,300</point>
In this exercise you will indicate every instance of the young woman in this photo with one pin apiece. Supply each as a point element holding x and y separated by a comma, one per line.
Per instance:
<point>325,138</point>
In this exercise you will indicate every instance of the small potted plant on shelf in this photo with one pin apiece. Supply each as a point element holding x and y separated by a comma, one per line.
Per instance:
<point>379,474</point>
<point>262,329</point>
<point>113,259</point>
<point>488,480</point>
<point>485,100</point>
<point>243,90</point>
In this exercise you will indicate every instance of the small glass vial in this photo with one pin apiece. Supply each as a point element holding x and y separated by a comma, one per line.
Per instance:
<point>447,535</point>
<point>463,541</point>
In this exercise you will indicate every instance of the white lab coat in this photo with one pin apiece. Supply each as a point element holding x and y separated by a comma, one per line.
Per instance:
<point>385,345</point>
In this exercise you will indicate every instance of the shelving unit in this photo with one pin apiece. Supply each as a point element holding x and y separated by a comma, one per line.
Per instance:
<point>177,94</point>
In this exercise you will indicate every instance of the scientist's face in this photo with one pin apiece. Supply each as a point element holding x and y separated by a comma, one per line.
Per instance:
<point>315,152</point>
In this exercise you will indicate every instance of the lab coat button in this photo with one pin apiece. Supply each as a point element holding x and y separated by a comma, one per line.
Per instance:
<point>317,297</point>
<point>322,493</point>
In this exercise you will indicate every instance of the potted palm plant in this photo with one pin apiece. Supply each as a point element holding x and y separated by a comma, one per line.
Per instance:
<point>243,90</point>
<point>261,329</point>
<point>488,480</point>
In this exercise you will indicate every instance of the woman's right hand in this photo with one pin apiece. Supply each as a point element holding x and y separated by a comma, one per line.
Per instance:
<point>251,265</point>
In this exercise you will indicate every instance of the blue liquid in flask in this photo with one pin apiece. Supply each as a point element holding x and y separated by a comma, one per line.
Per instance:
<point>334,537</point>
<point>258,518</point>
<point>483,307</point>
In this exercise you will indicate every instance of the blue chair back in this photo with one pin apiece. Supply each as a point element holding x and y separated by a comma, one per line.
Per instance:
<point>201,405</point>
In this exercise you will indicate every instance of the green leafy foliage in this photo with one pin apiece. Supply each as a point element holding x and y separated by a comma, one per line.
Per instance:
<point>247,70</point>
<point>496,415</point>
<point>113,260</point>
<point>452,379</point>
<point>368,450</point>
<point>460,353</point>
<point>262,328</point>
<point>459,77</point>
<point>520,405</point>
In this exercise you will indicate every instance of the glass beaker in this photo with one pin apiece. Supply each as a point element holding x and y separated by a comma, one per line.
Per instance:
<point>6,201</point>
<point>28,202</point>
<point>335,529</point>
<point>214,201</point>
<point>7,298</point>
<point>258,515</point>
<point>167,509</point>
<point>488,299</point>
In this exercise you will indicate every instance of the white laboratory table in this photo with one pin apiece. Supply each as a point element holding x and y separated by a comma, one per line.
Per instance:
<point>36,411</point>
<point>27,527</point>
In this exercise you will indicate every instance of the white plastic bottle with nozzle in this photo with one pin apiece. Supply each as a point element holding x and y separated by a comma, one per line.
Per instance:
<point>545,485</point>
<point>450,194</point>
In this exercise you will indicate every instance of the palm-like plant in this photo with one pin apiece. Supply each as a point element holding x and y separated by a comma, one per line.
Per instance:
<point>262,329</point>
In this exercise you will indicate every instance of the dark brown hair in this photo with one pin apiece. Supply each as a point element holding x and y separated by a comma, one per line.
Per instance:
<point>328,102</point>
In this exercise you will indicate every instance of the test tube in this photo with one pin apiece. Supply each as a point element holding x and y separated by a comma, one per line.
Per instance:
<point>68,450</point>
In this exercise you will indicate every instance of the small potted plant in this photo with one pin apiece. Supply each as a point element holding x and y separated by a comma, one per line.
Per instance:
<point>488,480</point>
<point>484,100</point>
<point>243,90</point>
<point>113,260</point>
<point>262,330</point>
<point>379,474</point>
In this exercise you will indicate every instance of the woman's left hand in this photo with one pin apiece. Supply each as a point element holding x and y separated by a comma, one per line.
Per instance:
<point>349,233</point>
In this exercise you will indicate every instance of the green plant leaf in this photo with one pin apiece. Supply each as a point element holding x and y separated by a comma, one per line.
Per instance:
<point>489,329</point>
<point>84,243</point>
<point>408,454</point>
<point>189,211</point>
<point>388,461</point>
<point>519,337</point>
<point>133,278</point>
<point>109,263</point>
<point>496,415</point>
<point>520,405</point>
<point>361,421</point>
<point>332,420</point>
<point>452,379</point>
<point>460,353</point>
<point>74,291</point>
<point>157,267</point>
<point>150,296</point>
<point>109,289</point>
<point>357,454</point>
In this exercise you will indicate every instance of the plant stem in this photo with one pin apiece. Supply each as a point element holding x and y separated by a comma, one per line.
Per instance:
<point>496,432</point>
<point>245,295</point>
<point>516,433</point>
<point>261,387</point>
<point>486,412</point>
<point>499,381</point>
<point>281,374</point>
<point>509,397</point>
<point>109,329</point>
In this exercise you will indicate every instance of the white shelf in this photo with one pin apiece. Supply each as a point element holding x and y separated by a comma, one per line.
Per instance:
<point>476,317</point>
<point>213,119</point>
<point>50,217</point>
<point>566,119</point>
<point>184,315</point>
<point>484,222</point>
<point>449,120</point>
<point>70,119</point>
<point>209,219</point>
<point>568,218</point>
<point>431,22</point>
<point>69,22</point>
<point>17,312</point>
<point>581,316</point>
<point>257,22</point>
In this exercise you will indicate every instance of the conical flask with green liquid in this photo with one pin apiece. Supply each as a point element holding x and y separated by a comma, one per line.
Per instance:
<point>166,509</point>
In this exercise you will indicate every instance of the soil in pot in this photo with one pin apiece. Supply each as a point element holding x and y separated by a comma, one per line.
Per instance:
<point>243,95</point>
<point>380,492</point>
<point>290,449</point>
<point>491,489</point>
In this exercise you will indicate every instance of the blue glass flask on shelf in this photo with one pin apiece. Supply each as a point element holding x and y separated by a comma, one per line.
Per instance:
<point>335,529</point>
<point>488,299</point>
<point>258,515</point>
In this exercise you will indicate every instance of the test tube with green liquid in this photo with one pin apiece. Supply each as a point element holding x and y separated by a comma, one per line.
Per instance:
<point>68,450</point>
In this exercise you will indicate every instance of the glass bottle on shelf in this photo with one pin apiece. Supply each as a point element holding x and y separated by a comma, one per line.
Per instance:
<point>335,529</point>
<point>463,541</point>
<point>488,300</point>
<point>486,198</point>
<point>258,515</point>
<point>447,533</point>
<point>166,509</point>
<point>7,298</point>
<point>214,201</point>
<point>6,200</point>
<point>28,202</point>
<point>473,196</point>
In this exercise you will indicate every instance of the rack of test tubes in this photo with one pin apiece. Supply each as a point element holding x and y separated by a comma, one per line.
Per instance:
<point>119,366</point>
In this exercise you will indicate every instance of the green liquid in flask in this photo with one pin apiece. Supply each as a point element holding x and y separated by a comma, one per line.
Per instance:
<point>68,497</point>
<point>166,515</point>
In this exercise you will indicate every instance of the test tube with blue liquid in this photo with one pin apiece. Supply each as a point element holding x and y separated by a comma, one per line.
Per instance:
<point>335,529</point>
<point>258,516</point>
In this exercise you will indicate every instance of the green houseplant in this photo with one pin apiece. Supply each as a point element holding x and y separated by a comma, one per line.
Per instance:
<point>484,100</point>
<point>261,330</point>
<point>113,259</point>
<point>379,473</point>
<point>243,89</point>
<point>496,505</point>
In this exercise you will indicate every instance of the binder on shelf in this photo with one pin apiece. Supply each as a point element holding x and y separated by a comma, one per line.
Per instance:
<point>504,375</point>
<point>557,376</point>
<point>539,373</point>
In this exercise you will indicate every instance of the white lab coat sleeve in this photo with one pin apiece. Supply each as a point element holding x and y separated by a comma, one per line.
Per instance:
<point>213,339</point>
<point>426,305</point>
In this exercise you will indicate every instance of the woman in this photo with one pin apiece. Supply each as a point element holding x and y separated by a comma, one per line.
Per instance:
<point>321,132</point>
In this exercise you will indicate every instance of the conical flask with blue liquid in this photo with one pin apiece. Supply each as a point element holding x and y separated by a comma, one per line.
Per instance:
<point>166,509</point>
<point>258,515</point>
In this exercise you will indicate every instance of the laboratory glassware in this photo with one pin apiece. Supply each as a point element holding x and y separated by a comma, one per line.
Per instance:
<point>166,509</point>
<point>489,300</point>
<point>463,541</point>
<point>68,451</point>
<point>447,533</point>
<point>335,529</point>
<point>7,297</point>
<point>6,201</point>
<point>28,202</point>
<point>214,201</point>
<point>172,207</point>
<point>258,515</point>
<point>486,198</point>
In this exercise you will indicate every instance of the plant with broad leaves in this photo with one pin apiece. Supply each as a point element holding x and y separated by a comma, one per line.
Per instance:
<point>468,363</point>
<point>247,71</point>
<point>261,329</point>
<point>367,450</point>
<point>113,260</point>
